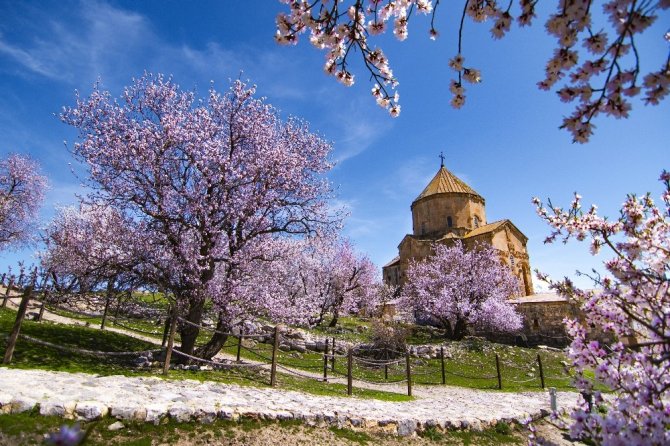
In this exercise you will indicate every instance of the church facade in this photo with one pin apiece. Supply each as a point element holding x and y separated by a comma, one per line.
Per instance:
<point>448,210</point>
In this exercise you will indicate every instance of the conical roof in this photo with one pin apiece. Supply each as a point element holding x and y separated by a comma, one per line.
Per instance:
<point>446,182</point>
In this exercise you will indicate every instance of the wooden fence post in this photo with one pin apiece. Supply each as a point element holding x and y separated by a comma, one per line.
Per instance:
<point>273,369</point>
<point>325,363</point>
<point>350,377</point>
<point>332,358</point>
<point>168,324</point>
<point>7,291</point>
<point>386,372</point>
<point>45,298</point>
<point>170,343</point>
<point>239,343</point>
<point>20,314</point>
<point>498,372</point>
<point>108,298</point>
<point>444,376</point>
<point>409,373</point>
<point>539,363</point>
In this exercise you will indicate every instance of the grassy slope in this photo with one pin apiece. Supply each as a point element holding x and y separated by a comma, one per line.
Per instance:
<point>34,356</point>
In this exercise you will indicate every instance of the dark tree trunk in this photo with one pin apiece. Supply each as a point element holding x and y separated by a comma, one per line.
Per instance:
<point>460,329</point>
<point>216,343</point>
<point>188,332</point>
<point>333,322</point>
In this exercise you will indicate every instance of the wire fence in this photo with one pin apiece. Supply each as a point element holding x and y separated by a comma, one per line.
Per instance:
<point>255,351</point>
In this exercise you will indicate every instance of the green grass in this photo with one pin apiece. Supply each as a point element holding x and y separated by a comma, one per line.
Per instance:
<point>29,355</point>
<point>470,366</point>
<point>357,437</point>
<point>30,428</point>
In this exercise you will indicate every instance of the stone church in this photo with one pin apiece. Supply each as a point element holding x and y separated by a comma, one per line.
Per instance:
<point>448,210</point>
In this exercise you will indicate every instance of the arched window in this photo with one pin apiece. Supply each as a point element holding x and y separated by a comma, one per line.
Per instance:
<point>511,259</point>
<point>450,223</point>
<point>423,228</point>
<point>476,221</point>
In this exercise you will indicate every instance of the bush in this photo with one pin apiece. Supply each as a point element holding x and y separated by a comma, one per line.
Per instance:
<point>388,340</point>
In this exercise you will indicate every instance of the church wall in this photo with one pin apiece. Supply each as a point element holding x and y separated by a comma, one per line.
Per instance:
<point>431,213</point>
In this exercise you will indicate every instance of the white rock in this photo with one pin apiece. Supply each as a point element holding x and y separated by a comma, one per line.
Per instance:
<point>22,404</point>
<point>116,426</point>
<point>406,428</point>
<point>129,413</point>
<point>180,413</point>
<point>51,409</point>
<point>91,410</point>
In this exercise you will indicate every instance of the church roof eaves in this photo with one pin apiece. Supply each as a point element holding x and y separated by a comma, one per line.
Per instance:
<point>485,228</point>
<point>445,182</point>
<point>395,260</point>
<point>493,227</point>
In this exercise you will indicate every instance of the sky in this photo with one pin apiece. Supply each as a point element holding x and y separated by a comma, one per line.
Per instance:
<point>505,143</point>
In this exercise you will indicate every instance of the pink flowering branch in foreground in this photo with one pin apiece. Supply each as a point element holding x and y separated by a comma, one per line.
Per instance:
<point>595,63</point>
<point>632,306</point>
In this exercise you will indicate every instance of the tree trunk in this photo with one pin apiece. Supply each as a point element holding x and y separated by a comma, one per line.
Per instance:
<point>188,332</point>
<point>333,322</point>
<point>460,329</point>
<point>216,343</point>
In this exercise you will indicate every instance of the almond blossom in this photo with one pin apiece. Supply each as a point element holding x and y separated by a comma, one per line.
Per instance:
<point>463,288</point>
<point>342,28</point>
<point>631,307</point>
<point>22,190</point>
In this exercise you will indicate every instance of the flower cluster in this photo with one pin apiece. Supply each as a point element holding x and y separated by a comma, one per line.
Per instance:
<point>632,307</point>
<point>339,29</point>
<point>313,279</point>
<point>602,77</point>
<point>22,190</point>
<point>463,287</point>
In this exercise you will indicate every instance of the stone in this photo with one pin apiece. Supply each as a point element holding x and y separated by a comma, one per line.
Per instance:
<point>206,415</point>
<point>406,428</point>
<point>181,414</point>
<point>155,413</point>
<point>129,413</point>
<point>21,404</point>
<point>117,426</point>
<point>91,410</point>
<point>56,409</point>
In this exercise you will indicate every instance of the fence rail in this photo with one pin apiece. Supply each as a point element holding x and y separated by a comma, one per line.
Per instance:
<point>355,366</point>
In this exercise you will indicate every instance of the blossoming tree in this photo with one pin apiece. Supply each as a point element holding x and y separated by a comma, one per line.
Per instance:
<point>633,305</point>
<point>205,178</point>
<point>601,78</point>
<point>462,288</point>
<point>92,247</point>
<point>22,190</point>
<point>318,278</point>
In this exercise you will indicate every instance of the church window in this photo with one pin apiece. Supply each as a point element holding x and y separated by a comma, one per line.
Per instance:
<point>450,223</point>
<point>476,221</point>
<point>511,259</point>
<point>423,228</point>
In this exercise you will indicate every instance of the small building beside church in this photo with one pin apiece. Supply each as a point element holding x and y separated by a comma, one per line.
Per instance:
<point>448,210</point>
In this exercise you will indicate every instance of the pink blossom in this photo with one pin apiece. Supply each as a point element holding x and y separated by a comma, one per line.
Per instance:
<point>463,287</point>
<point>22,190</point>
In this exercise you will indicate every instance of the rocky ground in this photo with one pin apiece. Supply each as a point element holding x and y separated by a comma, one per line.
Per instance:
<point>78,395</point>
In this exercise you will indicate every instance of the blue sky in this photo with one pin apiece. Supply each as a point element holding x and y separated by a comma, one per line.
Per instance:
<point>505,142</point>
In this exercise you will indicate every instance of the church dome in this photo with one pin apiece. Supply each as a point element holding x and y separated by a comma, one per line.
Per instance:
<point>445,182</point>
<point>447,205</point>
